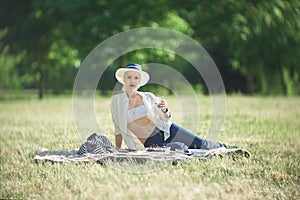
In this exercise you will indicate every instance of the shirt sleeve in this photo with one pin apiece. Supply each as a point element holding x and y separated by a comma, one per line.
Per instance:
<point>114,113</point>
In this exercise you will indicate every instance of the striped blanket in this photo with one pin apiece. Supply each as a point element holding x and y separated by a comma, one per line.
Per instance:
<point>98,148</point>
<point>162,154</point>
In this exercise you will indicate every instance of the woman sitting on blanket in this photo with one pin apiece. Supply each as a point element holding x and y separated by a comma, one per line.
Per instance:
<point>141,119</point>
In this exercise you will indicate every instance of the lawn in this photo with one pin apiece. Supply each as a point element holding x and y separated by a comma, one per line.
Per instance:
<point>269,127</point>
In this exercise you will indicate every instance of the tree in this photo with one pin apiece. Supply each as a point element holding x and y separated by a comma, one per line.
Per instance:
<point>253,39</point>
<point>28,30</point>
<point>255,44</point>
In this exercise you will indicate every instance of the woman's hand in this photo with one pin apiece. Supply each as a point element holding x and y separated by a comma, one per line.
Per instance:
<point>162,104</point>
<point>118,141</point>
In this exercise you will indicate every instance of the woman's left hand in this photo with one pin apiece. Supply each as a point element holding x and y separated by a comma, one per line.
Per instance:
<point>163,105</point>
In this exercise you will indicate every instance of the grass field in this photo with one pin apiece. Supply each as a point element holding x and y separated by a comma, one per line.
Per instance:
<point>269,127</point>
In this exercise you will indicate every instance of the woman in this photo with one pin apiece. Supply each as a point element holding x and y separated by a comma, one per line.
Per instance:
<point>142,120</point>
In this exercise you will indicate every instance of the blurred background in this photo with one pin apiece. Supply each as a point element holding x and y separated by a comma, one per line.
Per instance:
<point>255,44</point>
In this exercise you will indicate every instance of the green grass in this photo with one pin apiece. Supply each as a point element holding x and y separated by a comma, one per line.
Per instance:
<point>269,127</point>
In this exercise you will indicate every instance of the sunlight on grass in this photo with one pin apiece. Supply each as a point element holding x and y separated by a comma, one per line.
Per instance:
<point>266,126</point>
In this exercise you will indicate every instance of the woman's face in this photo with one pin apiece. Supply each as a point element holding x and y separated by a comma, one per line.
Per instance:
<point>132,80</point>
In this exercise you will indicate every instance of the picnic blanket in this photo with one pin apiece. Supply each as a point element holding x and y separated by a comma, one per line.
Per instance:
<point>99,149</point>
<point>159,155</point>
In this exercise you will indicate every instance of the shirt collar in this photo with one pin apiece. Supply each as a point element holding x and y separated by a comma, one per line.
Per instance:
<point>138,92</point>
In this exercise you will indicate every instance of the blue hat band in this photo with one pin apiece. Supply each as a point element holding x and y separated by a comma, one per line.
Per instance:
<point>134,66</point>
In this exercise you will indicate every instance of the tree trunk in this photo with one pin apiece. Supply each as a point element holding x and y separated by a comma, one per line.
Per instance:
<point>123,61</point>
<point>41,83</point>
<point>249,79</point>
<point>283,83</point>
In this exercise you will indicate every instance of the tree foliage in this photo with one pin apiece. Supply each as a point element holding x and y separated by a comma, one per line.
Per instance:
<point>255,44</point>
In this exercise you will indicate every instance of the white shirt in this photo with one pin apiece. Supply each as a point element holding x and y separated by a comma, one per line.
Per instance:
<point>119,109</point>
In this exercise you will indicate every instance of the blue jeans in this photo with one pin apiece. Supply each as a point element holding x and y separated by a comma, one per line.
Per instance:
<point>178,134</point>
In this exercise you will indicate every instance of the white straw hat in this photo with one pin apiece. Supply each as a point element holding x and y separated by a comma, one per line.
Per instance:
<point>132,67</point>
